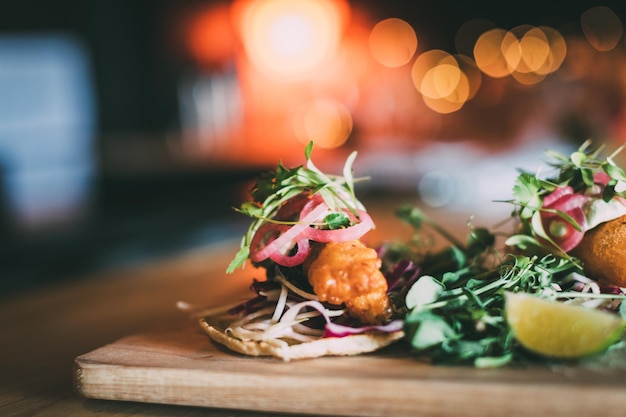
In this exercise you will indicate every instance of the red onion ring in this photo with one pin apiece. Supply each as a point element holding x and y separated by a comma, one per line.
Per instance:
<point>342,235</point>
<point>301,232</point>
<point>289,235</point>
<point>313,202</point>
<point>265,234</point>
<point>304,248</point>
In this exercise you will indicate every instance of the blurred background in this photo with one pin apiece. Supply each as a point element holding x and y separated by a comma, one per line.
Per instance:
<point>130,128</point>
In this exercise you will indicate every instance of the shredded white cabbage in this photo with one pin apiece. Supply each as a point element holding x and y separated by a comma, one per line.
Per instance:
<point>280,304</point>
<point>296,290</point>
<point>281,321</point>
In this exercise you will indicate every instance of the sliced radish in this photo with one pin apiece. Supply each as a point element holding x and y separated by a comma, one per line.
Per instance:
<point>561,231</point>
<point>556,195</point>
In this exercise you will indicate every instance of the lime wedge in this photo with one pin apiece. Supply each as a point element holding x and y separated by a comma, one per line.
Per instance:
<point>557,330</point>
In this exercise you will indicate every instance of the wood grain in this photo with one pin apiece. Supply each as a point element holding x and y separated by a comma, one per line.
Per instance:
<point>44,330</point>
<point>180,365</point>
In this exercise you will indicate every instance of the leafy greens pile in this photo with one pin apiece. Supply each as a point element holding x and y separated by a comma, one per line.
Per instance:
<point>454,309</point>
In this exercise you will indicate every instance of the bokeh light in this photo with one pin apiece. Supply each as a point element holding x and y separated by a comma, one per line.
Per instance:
<point>527,53</point>
<point>443,84</point>
<point>327,123</point>
<point>602,28</point>
<point>530,48</point>
<point>557,50</point>
<point>511,51</point>
<point>329,70</point>
<point>473,74</point>
<point>393,42</point>
<point>290,38</point>
<point>535,50</point>
<point>425,62</point>
<point>211,37</point>
<point>488,53</point>
<point>441,80</point>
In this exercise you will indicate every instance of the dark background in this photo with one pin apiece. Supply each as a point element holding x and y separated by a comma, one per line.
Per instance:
<point>136,65</point>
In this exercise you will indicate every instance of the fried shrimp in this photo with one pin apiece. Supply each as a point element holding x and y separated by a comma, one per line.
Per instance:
<point>349,272</point>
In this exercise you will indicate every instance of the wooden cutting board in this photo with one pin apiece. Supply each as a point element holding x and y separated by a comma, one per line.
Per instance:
<point>178,364</point>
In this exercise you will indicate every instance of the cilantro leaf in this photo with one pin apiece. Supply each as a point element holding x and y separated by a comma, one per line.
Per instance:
<point>527,192</point>
<point>337,220</point>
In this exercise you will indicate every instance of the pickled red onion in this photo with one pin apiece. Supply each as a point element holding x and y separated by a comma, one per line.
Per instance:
<point>294,206</point>
<point>342,235</point>
<point>292,260</point>
<point>265,234</point>
<point>301,232</point>
<point>289,235</point>
<point>314,201</point>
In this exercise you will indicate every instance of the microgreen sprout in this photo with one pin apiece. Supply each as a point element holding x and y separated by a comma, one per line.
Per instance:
<point>455,310</point>
<point>583,172</point>
<point>273,189</point>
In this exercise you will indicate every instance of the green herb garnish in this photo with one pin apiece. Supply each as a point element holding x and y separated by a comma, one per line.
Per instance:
<point>577,171</point>
<point>274,188</point>
<point>454,312</point>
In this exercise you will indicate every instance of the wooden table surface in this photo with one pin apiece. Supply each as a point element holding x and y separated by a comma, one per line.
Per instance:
<point>43,330</point>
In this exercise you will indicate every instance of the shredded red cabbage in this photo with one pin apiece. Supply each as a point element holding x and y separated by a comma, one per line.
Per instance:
<point>340,330</point>
<point>406,269</point>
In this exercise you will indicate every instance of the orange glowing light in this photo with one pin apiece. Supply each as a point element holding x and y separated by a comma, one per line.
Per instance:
<point>557,50</point>
<point>531,53</point>
<point>327,123</point>
<point>473,74</point>
<point>537,57</point>
<point>211,36</point>
<point>440,81</point>
<point>488,52</point>
<point>393,42</point>
<point>527,78</point>
<point>511,51</point>
<point>535,50</point>
<point>602,28</point>
<point>445,105</point>
<point>290,38</point>
<point>444,86</point>
<point>427,61</point>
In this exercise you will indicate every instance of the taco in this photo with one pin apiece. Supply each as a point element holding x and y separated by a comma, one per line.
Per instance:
<point>323,292</point>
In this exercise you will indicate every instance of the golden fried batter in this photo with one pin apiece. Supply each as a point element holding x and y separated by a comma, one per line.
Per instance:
<point>603,252</point>
<point>349,272</point>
